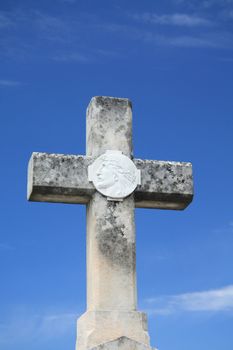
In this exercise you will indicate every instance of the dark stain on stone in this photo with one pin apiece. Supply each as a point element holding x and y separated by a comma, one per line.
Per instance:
<point>120,128</point>
<point>110,102</point>
<point>113,242</point>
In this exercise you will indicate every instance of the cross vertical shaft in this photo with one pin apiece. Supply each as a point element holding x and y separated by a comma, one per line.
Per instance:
<point>111,275</point>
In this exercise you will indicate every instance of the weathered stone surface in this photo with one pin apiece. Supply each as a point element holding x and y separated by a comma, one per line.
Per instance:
<point>164,185</point>
<point>122,343</point>
<point>59,178</point>
<point>63,178</point>
<point>111,275</point>
<point>111,272</point>
<point>131,324</point>
<point>109,125</point>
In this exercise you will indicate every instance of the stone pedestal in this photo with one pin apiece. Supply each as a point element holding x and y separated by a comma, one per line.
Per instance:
<point>105,328</point>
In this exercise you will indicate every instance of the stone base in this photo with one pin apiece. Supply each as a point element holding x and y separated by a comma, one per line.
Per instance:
<point>100,328</point>
<point>122,343</point>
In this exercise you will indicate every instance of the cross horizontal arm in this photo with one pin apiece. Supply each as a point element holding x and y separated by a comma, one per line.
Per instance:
<point>64,178</point>
<point>59,178</point>
<point>164,185</point>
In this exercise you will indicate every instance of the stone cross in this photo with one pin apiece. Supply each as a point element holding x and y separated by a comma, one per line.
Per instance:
<point>111,183</point>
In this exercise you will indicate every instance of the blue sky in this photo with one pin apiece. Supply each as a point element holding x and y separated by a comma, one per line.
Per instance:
<point>174,60</point>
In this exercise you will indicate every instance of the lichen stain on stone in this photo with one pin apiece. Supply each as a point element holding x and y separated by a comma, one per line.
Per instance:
<point>113,242</point>
<point>115,247</point>
<point>110,102</point>
<point>128,136</point>
<point>120,128</point>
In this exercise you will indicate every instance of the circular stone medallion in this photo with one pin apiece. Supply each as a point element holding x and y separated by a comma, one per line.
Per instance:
<point>114,175</point>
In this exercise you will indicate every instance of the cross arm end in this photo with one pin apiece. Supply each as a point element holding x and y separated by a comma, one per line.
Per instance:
<point>58,178</point>
<point>164,185</point>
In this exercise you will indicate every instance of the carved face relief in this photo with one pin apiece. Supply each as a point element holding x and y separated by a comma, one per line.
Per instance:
<point>114,175</point>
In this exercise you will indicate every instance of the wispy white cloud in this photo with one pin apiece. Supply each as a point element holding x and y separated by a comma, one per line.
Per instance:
<point>53,28</point>
<point>24,326</point>
<point>176,19</point>
<point>191,41</point>
<point>207,40</point>
<point>210,3</point>
<point>195,41</point>
<point>33,32</point>
<point>68,1</point>
<point>93,55</point>
<point>57,324</point>
<point>56,37</point>
<point>227,229</point>
<point>9,83</point>
<point>226,15</point>
<point>216,300</point>
<point>72,57</point>
<point>38,35</point>
<point>204,4</point>
<point>108,53</point>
